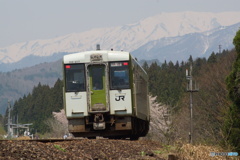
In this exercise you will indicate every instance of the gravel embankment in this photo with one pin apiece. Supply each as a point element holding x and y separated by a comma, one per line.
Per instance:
<point>80,149</point>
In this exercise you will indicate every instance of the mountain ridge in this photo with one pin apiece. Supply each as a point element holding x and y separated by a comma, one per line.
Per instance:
<point>126,37</point>
<point>181,47</point>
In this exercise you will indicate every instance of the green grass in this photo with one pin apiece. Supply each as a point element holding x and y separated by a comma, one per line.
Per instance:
<point>59,148</point>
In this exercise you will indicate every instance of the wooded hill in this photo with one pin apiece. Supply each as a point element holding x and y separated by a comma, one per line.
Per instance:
<point>17,83</point>
<point>167,82</point>
<point>38,106</point>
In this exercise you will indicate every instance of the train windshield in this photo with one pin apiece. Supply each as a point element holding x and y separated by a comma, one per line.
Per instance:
<point>119,75</point>
<point>75,78</point>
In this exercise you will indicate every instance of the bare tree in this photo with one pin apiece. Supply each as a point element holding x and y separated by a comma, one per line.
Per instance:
<point>58,124</point>
<point>160,123</point>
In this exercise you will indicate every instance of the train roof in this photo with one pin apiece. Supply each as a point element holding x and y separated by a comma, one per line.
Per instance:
<point>85,57</point>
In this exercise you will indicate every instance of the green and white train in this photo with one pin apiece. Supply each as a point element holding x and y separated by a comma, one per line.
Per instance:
<point>105,94</point>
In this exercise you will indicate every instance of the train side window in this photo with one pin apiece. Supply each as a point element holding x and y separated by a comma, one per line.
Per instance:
<point>75,78</point>
<point>119,75</point>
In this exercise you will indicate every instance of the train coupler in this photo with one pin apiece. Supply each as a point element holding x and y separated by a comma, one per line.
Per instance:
<point>99,123</point>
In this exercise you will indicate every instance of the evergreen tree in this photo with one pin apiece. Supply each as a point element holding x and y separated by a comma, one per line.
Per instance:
<point>177,65</point>
<point>166,82</point>
<point>232,121</point>
<point>57,96</point>
<point>190,59</point>
<point>153,78</point>
<point>145,66</point>
<point>170,64</point>
<point>236,42</point>
<point>212,58</point>
<point>164,65</point>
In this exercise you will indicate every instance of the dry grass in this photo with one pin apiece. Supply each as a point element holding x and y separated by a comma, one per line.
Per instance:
<point>23,138</point>
<point>201,152</point>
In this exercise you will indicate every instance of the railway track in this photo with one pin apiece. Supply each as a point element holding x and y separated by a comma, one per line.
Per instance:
<point>53,140</point>
<point>42,140</point>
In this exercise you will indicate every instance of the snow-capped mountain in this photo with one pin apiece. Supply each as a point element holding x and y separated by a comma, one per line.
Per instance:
<point>181,47</point>
<point>129,37</point>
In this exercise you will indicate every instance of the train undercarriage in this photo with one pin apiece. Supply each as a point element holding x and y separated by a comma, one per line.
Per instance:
<point>116,127</point>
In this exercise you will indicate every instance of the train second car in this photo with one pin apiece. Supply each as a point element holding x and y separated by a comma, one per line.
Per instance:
<point>105,94</point>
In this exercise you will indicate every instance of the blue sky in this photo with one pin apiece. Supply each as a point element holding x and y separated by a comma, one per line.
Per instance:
<point>25,20</point>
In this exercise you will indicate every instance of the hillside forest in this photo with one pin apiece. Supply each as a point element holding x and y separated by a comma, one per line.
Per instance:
<point>216,112</point>
<point>15,84</point>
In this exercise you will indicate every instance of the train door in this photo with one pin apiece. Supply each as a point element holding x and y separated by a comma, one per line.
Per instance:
<point>97,87</point>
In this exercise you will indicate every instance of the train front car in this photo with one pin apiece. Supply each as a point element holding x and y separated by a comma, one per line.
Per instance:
<point>105,94</point>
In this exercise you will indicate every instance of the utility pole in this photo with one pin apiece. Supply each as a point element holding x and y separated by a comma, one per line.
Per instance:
<point>9,121</point>
<point>220,47</point>
<point>17,126</point>
<point>191,90</point>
